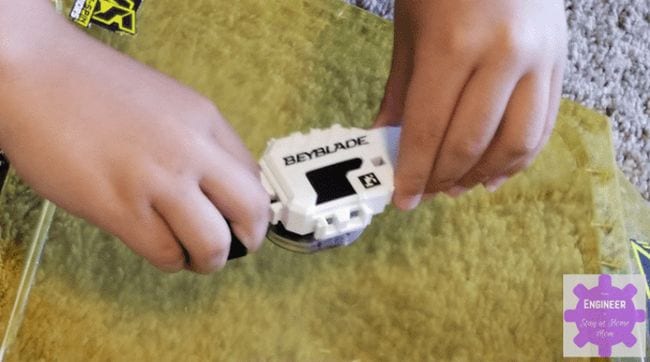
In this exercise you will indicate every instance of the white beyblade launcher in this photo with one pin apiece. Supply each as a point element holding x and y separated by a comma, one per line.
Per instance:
<point>326,185</point>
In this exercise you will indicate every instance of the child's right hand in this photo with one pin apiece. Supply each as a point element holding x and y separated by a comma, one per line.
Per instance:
<point>476,86</point>
<point>127,148</point>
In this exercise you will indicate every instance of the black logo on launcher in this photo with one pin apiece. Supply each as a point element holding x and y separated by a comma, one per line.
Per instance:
<point>326,150</point>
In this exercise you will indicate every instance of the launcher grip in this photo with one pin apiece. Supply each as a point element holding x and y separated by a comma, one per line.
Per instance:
<point>237,249</point>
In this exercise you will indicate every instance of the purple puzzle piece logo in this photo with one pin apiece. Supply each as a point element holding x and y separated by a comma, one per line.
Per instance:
<point>605,315</point>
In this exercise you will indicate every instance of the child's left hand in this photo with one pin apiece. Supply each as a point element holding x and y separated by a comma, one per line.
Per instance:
<point>476,85</point>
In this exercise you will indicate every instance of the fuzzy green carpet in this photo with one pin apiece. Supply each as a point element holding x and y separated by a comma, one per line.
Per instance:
<point>479,276</point>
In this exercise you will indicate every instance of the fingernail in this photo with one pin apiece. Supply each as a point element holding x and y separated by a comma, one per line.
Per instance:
<point>495,183</point>
<point>456,191</point>
<point>407,202</point>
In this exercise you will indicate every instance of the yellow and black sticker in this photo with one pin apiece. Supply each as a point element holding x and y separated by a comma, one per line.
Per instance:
<point>641,252</point>
<point>114,15</point>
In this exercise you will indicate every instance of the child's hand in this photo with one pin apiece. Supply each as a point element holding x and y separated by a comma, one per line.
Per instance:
<point>477,87</point>
<point>129,149</point>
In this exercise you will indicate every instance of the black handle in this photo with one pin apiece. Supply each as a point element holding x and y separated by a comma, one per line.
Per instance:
<point>237,249</point>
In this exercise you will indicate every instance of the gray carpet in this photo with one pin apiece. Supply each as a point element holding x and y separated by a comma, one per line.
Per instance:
<point>608,69</point>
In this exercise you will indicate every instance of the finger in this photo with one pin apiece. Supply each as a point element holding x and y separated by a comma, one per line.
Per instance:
<point>555,97</point>
<point>132,220</point>
<point>519,134</point>
<point>553,108</point>
<point>392,105</point>
<point>230,141</point>
<point>430,103</point>
<point>199,226</point>
<point>154,241</point>
<point>239,196</point>
<point>551,117</point>
<point>473,126</point>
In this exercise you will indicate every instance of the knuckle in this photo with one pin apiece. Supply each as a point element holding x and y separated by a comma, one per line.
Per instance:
<point>459,42</point>
<point>529,161</point>
<point>168,259</point>
<point>256,245</point>
<point>258,202</point>
<point>203,116</point>
<point>515,151</point>
<point>213,257</point>
<point>467,150</point>
<point>520,149</point>
<point>439,184</point>
<point>250,234</point>
<point>467,182</point>
<point>156,245</point>
<point>477,176</point>
<point>516,169</point>
<point>256,206</point>
<point>207,108</point>
<point>512,45</point>
<point>261,214</point>
<point>411,182</point>
<point>524,164</point>
<point>253,221</point>
<point>260,233</point>
<point>208,268</point>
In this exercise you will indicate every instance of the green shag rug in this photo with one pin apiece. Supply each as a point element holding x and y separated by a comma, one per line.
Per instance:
<point>476,277</point>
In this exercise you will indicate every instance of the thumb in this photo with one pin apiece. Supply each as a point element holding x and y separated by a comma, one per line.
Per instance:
<point>392,105</point>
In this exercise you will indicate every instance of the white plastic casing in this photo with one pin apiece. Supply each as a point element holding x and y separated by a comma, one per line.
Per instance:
<point>287,162</point>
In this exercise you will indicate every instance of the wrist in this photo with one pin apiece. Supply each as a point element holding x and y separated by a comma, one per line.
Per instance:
<point>27,30</point>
